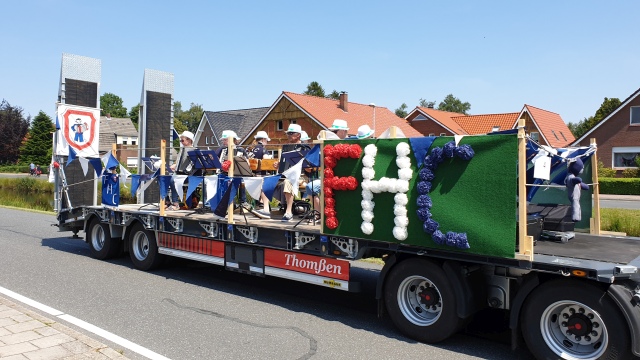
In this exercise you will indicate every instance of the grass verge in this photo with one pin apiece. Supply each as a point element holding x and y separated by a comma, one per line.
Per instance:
<point>620,220</point>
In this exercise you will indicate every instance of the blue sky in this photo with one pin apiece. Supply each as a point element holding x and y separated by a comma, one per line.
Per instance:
<point>562,56</point>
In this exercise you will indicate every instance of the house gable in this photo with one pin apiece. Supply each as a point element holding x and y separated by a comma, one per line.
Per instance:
<point>552,129</point>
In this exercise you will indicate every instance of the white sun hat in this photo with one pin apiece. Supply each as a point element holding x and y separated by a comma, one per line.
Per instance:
<point>339,124</point>
<point>229,134</point>
<point>187,134</point>
<point>295,128</point>
<point>304,136</point>
<point>364,132</point>
<point>262,135</point>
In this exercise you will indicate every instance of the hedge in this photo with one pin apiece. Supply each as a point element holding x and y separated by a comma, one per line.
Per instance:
<point>620,186</point>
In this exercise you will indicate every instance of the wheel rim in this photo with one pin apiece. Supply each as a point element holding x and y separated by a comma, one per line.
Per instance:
<point>573,330</point>
<point>140,245</point>
<point>97,237</point>
<point>420,300</point>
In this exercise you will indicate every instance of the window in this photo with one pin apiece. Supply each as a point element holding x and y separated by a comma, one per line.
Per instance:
<point>132,162</point>
<point>625,157</point>
<point>293,122</point>
<point>213,139</point>
<point>279,125</point>
<point>443,134</point>
<point>565,139</point>
<point>432,134</point>
<point>495,129</point>
<point>535,136</point>
<point>554,134</point>
<point>419,118</point>
<point>124,142</point>
<point>206,140</point>
<point>133,142</point>
<point>635,115</point>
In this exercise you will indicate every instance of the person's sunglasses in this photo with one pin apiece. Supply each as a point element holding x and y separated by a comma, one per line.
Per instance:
<point>291,133</point>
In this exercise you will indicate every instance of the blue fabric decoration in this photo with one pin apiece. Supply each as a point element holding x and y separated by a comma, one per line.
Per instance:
<point>72,155</point>
<point>426,174</point>
<point>423,214</point>
<point>420,146</point>
<point>269,185</point>
<point>464,152</point>
<point>313,156</point>
<point>438,237</point>
<point>424,187</point>
<point>97,165</point>
<point>163,183</point>
<point>110,189</point>
<point>135,183</point>
<point>424,201</point>
<point>430,226</point>
<point>111,162</point>
<point>437,155</point>
<point>194,181</point>
<point>448,149</point>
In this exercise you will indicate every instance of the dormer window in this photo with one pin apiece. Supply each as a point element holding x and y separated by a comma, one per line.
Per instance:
<point>535,136</point>
<point>495,129</point>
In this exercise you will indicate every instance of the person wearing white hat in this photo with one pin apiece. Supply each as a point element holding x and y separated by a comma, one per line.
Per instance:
<point>259,150</point>
<point>284,191</point>
<point>224,140</point>
<point>364,132</point>
<point>182,166</point>
<point>304,137</point>
<point>340,128</point>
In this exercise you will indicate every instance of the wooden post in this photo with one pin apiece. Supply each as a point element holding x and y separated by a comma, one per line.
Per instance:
<point>163,147</point>
<point>595,221</point>
<point>525,248</point>
<point>231,144</point>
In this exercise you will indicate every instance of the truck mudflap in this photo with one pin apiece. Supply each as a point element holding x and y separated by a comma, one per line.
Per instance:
<point>629,303</point>
<point>252,260</point>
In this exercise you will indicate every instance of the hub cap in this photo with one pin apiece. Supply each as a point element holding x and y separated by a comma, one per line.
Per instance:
<point>419,300</point>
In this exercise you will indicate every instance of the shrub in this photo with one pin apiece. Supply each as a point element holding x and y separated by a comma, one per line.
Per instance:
<point>620,186</point>
<point>604,172</point>
<point>630,173</point>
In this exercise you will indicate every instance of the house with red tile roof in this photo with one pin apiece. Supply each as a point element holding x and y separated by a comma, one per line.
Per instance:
<point>315,113</point>
<point>544,126</point>
<point>617,135</point>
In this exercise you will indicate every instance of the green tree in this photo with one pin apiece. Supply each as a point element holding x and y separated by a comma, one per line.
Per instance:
<point>13,129</point>
<point>453,104</point>
<point>134,115</point>
<point>402,110</point>
<point>335,95</point>
<point>427,104</point>
<point>187,120</point>
<point>37,148</point>
<point>607,107</point>
<point>112,104</point>
<point>315,89</point>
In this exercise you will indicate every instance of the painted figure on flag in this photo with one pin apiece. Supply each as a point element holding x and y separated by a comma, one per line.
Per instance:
<point>79,128</point>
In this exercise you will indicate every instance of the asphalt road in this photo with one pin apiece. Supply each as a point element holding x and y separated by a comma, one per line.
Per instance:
<point>188,310</point>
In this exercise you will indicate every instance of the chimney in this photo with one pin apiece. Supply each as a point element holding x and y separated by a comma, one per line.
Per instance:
<point>344,101</point>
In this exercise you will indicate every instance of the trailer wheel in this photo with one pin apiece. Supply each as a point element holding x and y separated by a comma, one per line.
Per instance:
<point>574,320</point>
<point>143,249</point>
<point>421,302</point>
<point>102,246</point>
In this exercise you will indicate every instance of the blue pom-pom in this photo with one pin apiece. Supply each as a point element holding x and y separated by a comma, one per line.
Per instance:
<point>464,152</point>
<point>463,243</point>
<point>424,187</point>
<point>429,163</point>
<point>426,174</point>
<point>438,237</point>
<point>423,214</point>
<point>424,201</point>
<point>436,155</point>
<point>430,226</point>
<point>452,238</point>
<point>448,149</point>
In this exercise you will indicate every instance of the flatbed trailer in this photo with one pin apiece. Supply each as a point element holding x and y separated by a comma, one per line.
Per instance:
<point>574,300</point>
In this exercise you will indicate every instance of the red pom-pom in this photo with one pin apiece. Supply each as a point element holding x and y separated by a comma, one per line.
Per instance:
<point>329,212</point>
<point>327,182</point>
<point>328,150</point>
<point>332,223</point>
<point>337,183</point>
<point>225,165</point>
<point>355,151</point>
<point>351,182</point>
<point>329,202</point>
<point>328,173</point>
<point>343,150</point>
<point>56,165</point>
<point>328,192</point>
<point>330,162</point>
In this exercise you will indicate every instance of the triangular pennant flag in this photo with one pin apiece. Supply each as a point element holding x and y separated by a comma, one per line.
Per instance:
<point>109,160</point>
<point>269,185</point>
<point>178,182</point>
<point>231,190</point>
<point>124,174</point>
<point>146,182</point>
<point>84,163</point>
<point>253,186</point>
<point>210,187</point>
<point>52,178</point>
<point>97,165</point>
<point>57,123</point>
<point>293,174</point>
<point>72,155</point>
<point>457,138</point>
<point>135,183</point>
<point>194,181</point>
<point>420,147</point>
<point>313,156</point>
<point>221,188</point>
<point>164,181</point>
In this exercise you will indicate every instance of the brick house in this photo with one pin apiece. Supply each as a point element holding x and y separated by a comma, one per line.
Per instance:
<point>123,133</point>
<point>544,126</point>
<point>213,123</point>
<point>315,113</point>
<point>617,135</point>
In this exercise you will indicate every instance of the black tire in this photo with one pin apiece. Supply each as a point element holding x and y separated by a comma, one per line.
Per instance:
<point>143,249</point>
<point>421,302</point>
<point>565,319</point>
<point>101,245</point>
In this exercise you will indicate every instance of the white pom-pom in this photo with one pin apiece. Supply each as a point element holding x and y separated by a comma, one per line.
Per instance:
<point>385,184</point>
<point>405,174</point>
<point>403,149</point>
<point>370,149</point>
<point>403,162</point>
<point>401,221</point>
<point>374,186</point>
<point>366,228</point>
<point>366,185</point>
<point>402,186</point>
<point>367,205</point>
<point>401,199</point>
<point>368,173</point>
<point>400,233</point>
<point>368,161</point>
<point>367,194</point>
<point>366,215</point>
<point>399,210</point>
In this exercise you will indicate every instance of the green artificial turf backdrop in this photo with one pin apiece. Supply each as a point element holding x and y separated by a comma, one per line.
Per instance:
<point>476,197</point>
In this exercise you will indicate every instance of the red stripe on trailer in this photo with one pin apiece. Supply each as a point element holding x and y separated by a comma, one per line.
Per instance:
<point>309,264</point>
